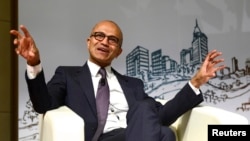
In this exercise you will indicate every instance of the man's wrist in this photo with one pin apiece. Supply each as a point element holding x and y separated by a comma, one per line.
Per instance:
<point>196,90</point>
<point>32,71</point>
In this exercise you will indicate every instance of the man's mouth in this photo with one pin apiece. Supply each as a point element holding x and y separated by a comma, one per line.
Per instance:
<point>102,49</point>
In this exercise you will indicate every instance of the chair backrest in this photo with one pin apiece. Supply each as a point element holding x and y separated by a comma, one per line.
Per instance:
<point>61,124</point>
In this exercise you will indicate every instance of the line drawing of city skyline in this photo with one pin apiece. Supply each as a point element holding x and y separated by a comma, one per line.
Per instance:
<point>159,70</point>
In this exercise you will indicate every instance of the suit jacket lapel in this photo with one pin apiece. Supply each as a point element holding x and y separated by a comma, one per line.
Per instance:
<point>128,91</point>
<point>83,76</point>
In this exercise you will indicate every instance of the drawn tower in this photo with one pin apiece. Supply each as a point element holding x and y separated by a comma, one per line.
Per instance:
<point>199,46</point>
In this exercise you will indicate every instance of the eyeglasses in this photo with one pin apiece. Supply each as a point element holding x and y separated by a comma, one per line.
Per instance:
<point>112,40</point>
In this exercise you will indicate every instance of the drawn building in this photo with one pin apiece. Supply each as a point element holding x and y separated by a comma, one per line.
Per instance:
<point>156,59</point>
<point>235,64</point>
<point>186,56</point>
<point>196,54</point>
<point>199,46</point>
<point>162,64</point>
<point>168,65</point>
<point>137,61</point>
<point>247,64</point>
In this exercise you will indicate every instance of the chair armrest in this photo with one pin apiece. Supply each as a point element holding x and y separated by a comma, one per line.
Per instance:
<point>62,124</point>
<point>193,125</point>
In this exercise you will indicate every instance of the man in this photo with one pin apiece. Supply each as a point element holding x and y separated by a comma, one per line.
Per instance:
<point>132,114</point>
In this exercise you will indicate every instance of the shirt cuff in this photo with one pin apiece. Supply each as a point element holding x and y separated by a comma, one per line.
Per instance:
<point>197,91</point>
<point>32,71</point>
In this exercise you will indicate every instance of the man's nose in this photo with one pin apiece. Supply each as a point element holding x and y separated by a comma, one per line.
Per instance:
<point>105,41</point>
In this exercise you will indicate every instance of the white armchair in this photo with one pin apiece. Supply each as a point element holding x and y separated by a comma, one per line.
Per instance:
<point>63,124</point>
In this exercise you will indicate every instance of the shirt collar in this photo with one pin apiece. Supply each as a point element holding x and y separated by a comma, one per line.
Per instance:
<point>95,68</point>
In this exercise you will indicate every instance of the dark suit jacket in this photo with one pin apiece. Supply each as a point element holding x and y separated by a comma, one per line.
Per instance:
<point>72,86</point>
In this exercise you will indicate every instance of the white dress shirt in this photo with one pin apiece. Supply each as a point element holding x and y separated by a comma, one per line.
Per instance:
<point>118,104</point>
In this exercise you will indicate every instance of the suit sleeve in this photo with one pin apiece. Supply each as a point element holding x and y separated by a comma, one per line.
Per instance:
<point>183,101</point>
<point>44,96</point>
<point>38,93</point>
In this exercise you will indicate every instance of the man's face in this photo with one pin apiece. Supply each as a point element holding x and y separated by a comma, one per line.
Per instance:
<point>104,43</point>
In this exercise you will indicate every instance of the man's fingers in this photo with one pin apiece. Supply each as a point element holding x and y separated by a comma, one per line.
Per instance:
<point>221,67</point>
<point>25,31</point>
<point>16,42</point>
<point>210,59</point>
<point>16,33</point>
<point>214,54</point>
<point>217,61</point>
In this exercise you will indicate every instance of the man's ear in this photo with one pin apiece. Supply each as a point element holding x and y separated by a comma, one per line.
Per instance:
<point>88,42</point>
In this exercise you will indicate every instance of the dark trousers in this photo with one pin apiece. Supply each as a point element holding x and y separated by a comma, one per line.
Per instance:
<point>143,125</point>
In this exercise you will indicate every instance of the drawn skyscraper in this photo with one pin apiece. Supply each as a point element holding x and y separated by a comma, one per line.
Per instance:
<point>156,57</point>
<point>137,61</point>
<point>199,46</point>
